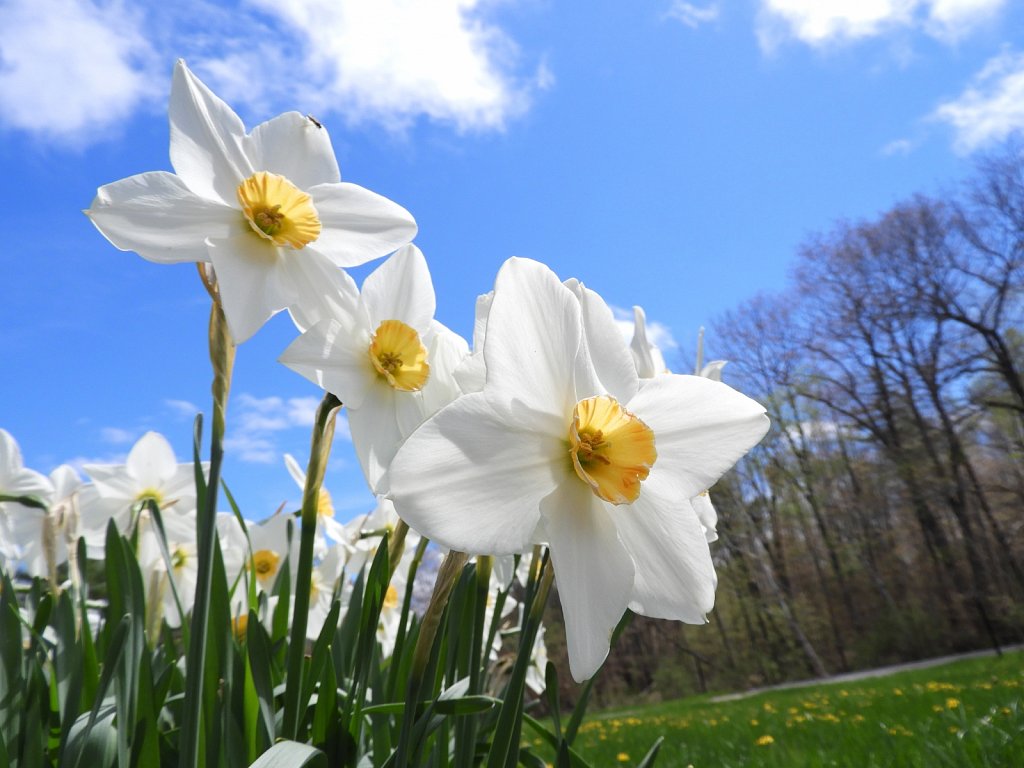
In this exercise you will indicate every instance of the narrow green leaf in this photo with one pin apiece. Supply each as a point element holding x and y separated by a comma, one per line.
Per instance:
<point>291,754</point>
<point>652,754</point>
<point>258,648</point>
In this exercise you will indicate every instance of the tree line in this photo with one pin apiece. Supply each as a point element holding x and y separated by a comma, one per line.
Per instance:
<point>882,519</point>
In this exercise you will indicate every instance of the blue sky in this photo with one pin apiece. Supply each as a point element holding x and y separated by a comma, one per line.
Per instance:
<point>669,154</point>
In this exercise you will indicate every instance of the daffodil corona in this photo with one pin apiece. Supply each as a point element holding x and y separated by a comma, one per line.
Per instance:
<point>562,446</point>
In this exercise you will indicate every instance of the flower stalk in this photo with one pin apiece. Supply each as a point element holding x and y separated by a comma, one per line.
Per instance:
<point>222,358</point>
<point>319,452</point>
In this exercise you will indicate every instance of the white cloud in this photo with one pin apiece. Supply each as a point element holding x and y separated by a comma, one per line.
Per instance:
<point>991,108</point>
<point>70,69</point>
<point>387,61</point>
<point>182,408</point>
<point>692,15</point>
<point>898,147</point>
<point>118,436</point>
<point>823,22</point>
<point>255,421</point>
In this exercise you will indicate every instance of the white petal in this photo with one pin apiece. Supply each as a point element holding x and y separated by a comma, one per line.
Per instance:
<point>334,358</point>
<point>593,571</point>
<point>358,225</point>
<point>251,290</point>
<point>472,481</point>
<point>713,370</point>
<point>376,434</point>
<point>400,289</point>
<point>646,356</point>
<point>707,515</point>
<point>315,287</point>
<point>701,428</point>
<point>151,461</point>
<point>611,357</point>
<point>292,146</point>
<point>207,139</point>
<point>297,473</point>
<point>675,578</point>
<point>445,353</point>
<point>158,217</point>
<point>534,333</point>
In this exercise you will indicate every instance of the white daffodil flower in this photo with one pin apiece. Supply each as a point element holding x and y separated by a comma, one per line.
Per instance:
<point>151,472</point>
<point>599,468</point>
<point>266,208</point>
<point>386,359</point>
<point>326,526</point>
<point>44,538</point>
<point>327,578</point>
<point>270,548</point>
<point>19,524</point>
<point>536,673</point>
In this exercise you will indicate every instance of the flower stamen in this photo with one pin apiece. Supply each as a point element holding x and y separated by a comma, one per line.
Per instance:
<point>399,356</point>
<point>278,211</point>
<point>612,450</point>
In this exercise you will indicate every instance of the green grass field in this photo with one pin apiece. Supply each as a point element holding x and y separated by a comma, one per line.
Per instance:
<point>968,713</point>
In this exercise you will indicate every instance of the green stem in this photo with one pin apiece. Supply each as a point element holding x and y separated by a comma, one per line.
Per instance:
<point>222,357</point>
<point>319,451</point>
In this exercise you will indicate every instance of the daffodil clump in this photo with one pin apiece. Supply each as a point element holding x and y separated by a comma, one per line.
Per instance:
<point>553,453</point>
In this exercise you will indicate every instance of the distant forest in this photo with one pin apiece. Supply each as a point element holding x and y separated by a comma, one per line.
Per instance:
<point>882,518</point>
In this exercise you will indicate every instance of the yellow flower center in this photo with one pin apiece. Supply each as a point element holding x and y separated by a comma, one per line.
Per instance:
<point>612,450</point>
<point>150,494</point>
<point>265,561</point>
<point>278,211</point>
<point>391,597</point>
<point>399,356</point>
<point>179,557</point>
<point>324,505</point>
<point>240,624</point>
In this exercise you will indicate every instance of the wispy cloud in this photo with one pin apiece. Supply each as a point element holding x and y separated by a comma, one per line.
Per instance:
<point>118,436</point>
<point>387,62</point>
<point>990,108</point>
<point>256,421</point>
<point>898,147</point>
<point>820,24</point>
<point>183,409</point>
<point>693,15</point>
<point>71,69</point>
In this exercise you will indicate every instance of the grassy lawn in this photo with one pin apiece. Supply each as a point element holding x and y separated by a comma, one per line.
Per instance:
<point>968,713</point>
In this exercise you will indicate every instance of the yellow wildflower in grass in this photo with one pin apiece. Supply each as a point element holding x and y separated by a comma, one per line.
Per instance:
<point>953,729</point>
<point>937,708</point>
<point>897,692</point>
<point>754,723</point>
<point>952,703</point>
<point>622,757</point>
<point>765,740</point>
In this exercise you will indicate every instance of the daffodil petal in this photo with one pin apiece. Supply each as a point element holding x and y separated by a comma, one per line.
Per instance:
<point>293,146</point>
<point>612,359</point>
<point>248,276</point>
<point>474,480</point>
<point>675,578</point>
<point>707,515</point>
<point>316,289</point>
<point>151,460</point>
<point>333,357</point>
<point>534,332</point>
<point>207,139</point>
<point>400,289</point>
<point>701,429</point>
<point>376,434</point>
<point>358,225</point>
<point>158,217</point>
<point>593,572</point>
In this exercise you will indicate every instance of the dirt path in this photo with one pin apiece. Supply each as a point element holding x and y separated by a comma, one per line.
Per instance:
<point>865,674</point>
